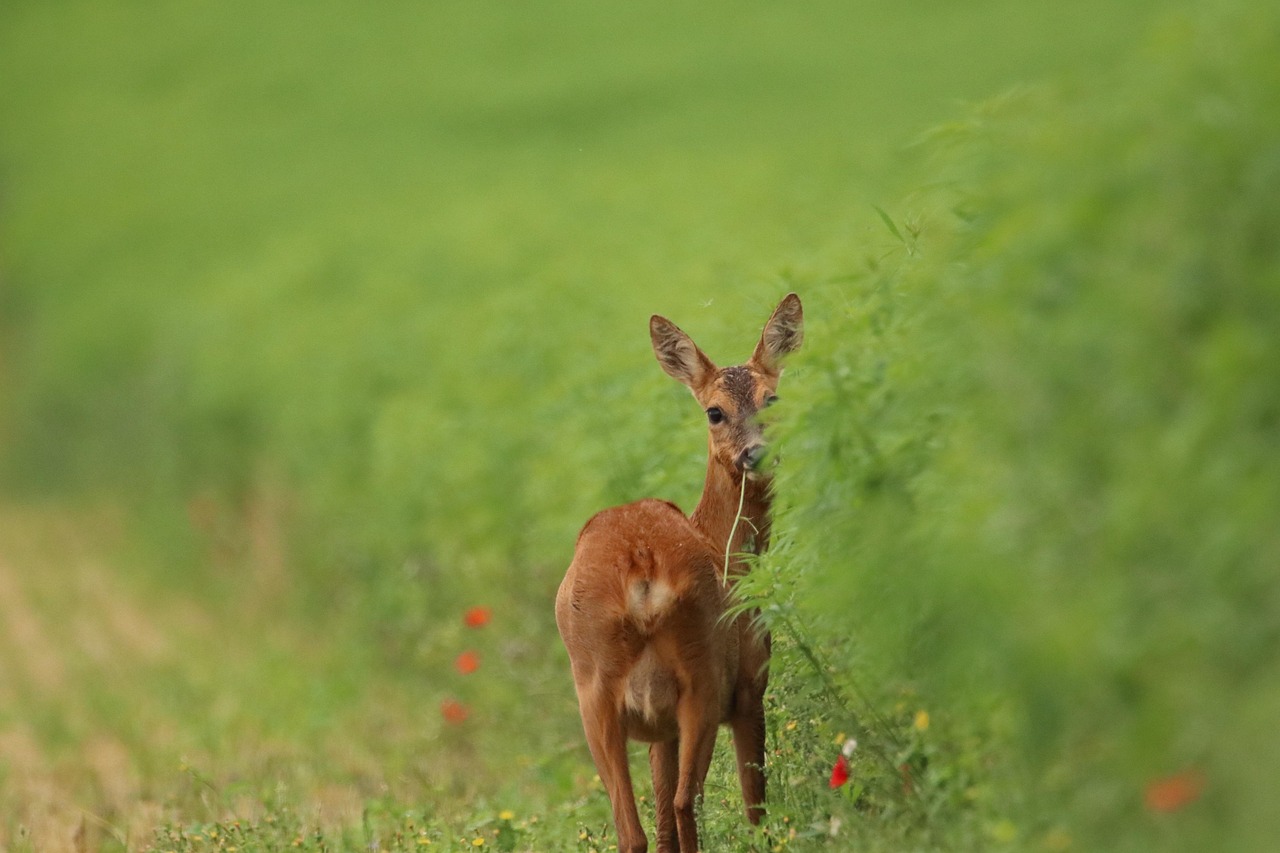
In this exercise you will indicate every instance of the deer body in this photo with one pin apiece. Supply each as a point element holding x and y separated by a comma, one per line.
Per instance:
<point>641,608</point>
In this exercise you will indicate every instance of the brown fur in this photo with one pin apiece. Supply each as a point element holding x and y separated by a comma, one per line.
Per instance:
<point>641,606</point>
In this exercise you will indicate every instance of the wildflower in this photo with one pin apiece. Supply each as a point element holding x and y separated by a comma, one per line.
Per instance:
<point>849,746</point>
<point>840,772</point>
<point>921,721</point>
<point>477,617</point>
<point>1175,792</point>
<point>506,814</point>
<point>454,711</point>
<point>477,842</point>
<point>467,662</point>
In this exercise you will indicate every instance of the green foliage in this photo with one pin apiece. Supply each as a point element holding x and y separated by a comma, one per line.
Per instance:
<point>410,273</point>
<point>1037,466</point>
<point>382,827</point>
<point>337,271</point>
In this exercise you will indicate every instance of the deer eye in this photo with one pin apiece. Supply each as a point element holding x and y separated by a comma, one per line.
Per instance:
<point>715,414</point>
<point>770,400</point>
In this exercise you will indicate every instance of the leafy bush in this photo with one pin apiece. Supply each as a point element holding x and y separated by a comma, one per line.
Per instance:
<point>1035,463</point>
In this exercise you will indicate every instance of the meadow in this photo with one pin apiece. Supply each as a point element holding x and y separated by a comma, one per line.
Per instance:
<point>323,330</point>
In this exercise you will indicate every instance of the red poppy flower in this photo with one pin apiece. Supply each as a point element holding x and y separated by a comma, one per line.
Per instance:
<point>1175,792</point>
<point>477,617</point>
<point>840,773</point>
<point>454,711</point>
<point>467,662</point>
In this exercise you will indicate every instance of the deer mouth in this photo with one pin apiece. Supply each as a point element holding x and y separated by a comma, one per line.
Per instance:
<point>754,463</point>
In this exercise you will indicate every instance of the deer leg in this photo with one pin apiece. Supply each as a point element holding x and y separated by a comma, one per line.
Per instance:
<point>697,742</point>
<point>608,743</point>
<point>748,744</point>
<point>664,760</point>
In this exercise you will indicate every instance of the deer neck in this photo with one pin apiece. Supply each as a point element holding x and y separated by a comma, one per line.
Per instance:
<point>717,510</point>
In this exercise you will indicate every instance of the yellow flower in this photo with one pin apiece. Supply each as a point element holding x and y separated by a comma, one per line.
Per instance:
<point>922,720</point>
<point>506,814</point>
<point>477,842</point>
<point>791,726</point>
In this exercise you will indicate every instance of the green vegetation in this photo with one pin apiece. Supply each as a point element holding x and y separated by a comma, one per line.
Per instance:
<point>1045,479</point>
<point>322,324</point>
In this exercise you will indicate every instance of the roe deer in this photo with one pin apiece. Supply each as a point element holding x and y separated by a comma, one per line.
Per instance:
<point>641,608</point>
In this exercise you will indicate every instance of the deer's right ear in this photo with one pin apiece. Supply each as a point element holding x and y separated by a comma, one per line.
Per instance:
<point>678,354</point>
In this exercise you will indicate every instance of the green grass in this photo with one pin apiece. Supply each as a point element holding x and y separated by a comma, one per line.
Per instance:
<point>340,313</point>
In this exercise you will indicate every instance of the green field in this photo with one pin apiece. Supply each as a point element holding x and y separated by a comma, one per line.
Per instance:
<point>323,324</point>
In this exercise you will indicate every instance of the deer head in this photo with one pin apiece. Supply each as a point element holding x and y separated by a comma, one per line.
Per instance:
<point>732,397</point>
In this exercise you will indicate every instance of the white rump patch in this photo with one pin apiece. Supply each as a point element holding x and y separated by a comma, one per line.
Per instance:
<point>647,601</point>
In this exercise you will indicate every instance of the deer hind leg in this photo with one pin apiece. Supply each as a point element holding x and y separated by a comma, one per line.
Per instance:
<point>664,760</point>
<point>748,744</point>
<point>697,742</point>
<point>608,743</point>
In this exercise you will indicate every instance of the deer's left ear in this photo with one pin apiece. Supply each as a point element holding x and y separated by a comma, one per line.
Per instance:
<point>782,334</point>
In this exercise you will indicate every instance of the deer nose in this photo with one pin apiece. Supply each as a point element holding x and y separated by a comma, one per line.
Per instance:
<point>750,458</point>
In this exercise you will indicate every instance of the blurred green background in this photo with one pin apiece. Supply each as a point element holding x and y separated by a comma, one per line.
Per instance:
<point>337,312</point>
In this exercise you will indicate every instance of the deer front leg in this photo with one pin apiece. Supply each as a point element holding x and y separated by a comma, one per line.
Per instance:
<point>747,722</point>
<point>748,744</point>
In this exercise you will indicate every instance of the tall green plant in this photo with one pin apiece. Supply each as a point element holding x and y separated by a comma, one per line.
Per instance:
<point>1035,461</point>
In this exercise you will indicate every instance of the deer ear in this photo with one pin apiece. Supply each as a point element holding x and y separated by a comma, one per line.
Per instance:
<point>678,354</point>
<point>782,334</point>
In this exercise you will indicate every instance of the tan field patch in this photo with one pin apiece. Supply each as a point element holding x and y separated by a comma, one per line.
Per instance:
<point>31,652</point>
<point>128,710</point>
<point>73,636</point>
